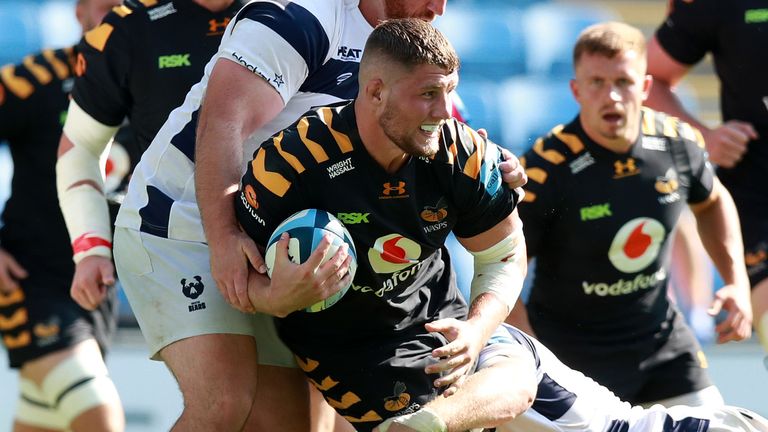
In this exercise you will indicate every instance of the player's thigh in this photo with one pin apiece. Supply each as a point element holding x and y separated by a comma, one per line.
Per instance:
<point>282,401</point>
<point>212,368</point>
<point>172,293</point>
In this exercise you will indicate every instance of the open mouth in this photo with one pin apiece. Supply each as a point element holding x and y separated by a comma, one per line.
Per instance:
<point>430,130</point>
<point>614,118</point>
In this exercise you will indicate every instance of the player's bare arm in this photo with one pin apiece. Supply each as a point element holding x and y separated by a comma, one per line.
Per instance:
<point>500,268</point>
<point>237,102</point>
<point>497,394</point>
<point>720,232</point>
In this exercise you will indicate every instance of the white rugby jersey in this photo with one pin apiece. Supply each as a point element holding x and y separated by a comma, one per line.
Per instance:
<point>308,50</point>
<point>567,400</point>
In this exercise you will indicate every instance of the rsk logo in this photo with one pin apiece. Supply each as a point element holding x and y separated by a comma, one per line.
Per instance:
<point>636,244</point>
<point>393,252</point>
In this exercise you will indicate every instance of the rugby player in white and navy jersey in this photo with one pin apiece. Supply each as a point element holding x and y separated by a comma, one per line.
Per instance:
<point>515,368</point>
<point>276,60</point>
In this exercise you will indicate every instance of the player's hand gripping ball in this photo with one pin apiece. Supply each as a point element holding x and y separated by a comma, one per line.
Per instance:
<point>306,229</point>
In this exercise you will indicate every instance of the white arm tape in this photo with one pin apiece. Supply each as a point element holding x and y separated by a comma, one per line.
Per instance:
<point>84,207</point>
<point>501,269</point>
<point>423,420</point>
<point>86,132</point>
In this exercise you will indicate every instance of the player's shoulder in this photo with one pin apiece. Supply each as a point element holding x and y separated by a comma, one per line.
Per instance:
<point>320,137</point>
<point>300,13</point>
<point>661,127</point>
<point>561,146</point>
<point>693,6</point>
<point>24,79</point>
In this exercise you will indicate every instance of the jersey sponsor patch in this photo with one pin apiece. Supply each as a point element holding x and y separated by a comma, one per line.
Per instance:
<point>393,252</point>
<point>636,244</point>
<point>340,168</point>
<point>624,286</point>
<point>173,61</point>
<point>161,12</point>
<point>581,163</point>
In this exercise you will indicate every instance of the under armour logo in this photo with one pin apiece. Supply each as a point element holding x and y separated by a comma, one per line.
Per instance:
<point>398,190</point>
<point>193,289</point>
<point>217,27</point>
<point>625,169</point>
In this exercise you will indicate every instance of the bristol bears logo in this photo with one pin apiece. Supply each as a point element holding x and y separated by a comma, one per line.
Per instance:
<point>393,252</point>
<point>637,244</point>
<point>193,289</point>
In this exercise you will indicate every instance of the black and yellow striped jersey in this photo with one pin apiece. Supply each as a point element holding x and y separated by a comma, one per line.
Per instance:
<point>141,61</point>
<point>598,224</point>
<point>736,33</point>
<point>33,106</point>
<point>399,221</point>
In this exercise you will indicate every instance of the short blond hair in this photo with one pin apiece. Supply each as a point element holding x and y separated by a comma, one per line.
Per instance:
<point>609,39</point>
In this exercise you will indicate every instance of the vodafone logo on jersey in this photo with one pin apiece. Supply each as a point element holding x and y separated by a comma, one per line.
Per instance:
<point>637,244</point>
<point>393,252</point>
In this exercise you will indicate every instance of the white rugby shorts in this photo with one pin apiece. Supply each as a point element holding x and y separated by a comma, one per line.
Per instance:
<point>173,296</point>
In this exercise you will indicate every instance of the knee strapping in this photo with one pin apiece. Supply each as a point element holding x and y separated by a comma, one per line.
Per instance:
<point>74,386</point>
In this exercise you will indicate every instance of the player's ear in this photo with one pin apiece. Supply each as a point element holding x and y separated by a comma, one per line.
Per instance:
<point>647,84</point>
<point>373,90</point>
<point>574,88</point>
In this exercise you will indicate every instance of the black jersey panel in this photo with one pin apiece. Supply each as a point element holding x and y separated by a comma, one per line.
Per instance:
<point>31,118</point>
<point>703,174</point>
<point>102,86</point>
<point>689,31</point>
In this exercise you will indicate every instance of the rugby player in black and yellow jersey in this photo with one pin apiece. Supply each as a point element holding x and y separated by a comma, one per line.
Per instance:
<point>403,175</point>
<point>605,192</point>
<point>138,64</point>
<point>735,33</point>
<point>56,345</point>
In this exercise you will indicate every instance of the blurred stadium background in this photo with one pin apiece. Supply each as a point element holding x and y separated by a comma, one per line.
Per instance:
<point>516,62</point>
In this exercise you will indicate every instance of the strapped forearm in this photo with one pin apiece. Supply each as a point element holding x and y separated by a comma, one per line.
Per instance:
<point>501,269</point>
<point>423,420</point>
<point>80,182</point>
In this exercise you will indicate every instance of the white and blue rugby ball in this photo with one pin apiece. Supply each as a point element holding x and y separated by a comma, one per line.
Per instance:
<point>306,229</point>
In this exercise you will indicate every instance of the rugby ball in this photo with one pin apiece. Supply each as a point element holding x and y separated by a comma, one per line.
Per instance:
<point>306,229</point>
